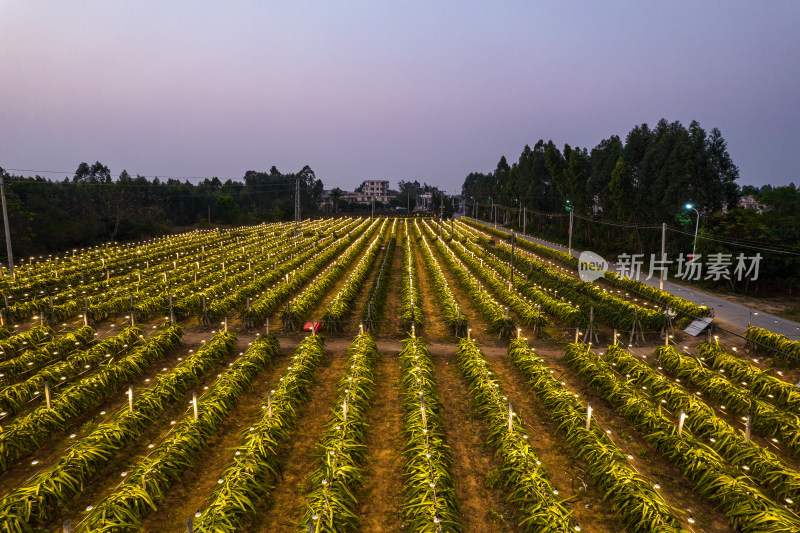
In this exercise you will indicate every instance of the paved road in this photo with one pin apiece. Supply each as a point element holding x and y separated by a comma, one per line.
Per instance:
<point>727,314</point>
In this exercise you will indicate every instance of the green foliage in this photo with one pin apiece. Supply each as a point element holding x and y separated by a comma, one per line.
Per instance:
<point>109,281</point>
<point>774,221</point>
<point>430,504</point>
<point>135,208</point>
<point>608,309</point>
<point>725,487</point>
<point>270,265</point>
<point>255,463</point>
<point>373,311</point>
<point>37,500</point>
<point>14,397</point>
<point>456,320</point>
<point>646,177</point>
<point>299,307</point>
<point>149,480</point>
<point>341,304</point>
<point>768,388</point>
<point>640,506</point>
<point>762,338</point>
<point>485,302</point>
<point>458,258</point>
<point>18,368</point>
<point>763,466</point>
<point>28,433</point>
<point>660,297</point>
<point>766,419</point>
<point>330,506</point>
<point>266,302</point>
<point>538,507</point>
<point>13,346</point>
<point>410,295</point>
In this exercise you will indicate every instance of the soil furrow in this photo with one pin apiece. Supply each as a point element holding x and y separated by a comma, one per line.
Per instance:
<point>282,508</point>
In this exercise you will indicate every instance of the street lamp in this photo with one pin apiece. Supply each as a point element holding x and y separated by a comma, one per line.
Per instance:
<point>568,207</point>
<point>696,227</point>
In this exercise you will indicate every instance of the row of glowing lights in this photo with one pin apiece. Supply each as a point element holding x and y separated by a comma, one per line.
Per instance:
<point>155,281</point>
<point>178,255</point>
<point>224,248</point>
<point>362,264</point>
<point>239,269</point>
<point>495,386</point>
<point>172,422</point>
<point>432,259</point>
<point>723,408</point>
<point>324,482</point>
<point>252,428</point>
<point>432,485</point>
<point>499,279</point>
<point>476,280</point>
<point>683,415</point>
<point>383,263</point>
<point>571,272</point>
<point>159,244</point>
<point>554,266</point>
<point>343,258</point>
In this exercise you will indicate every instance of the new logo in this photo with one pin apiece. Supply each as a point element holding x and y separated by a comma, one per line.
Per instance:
<point>591,266</point>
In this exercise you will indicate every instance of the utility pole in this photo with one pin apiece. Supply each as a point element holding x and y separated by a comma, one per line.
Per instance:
<point>569,208</point>
<point>297,206</point>
<point>696,227</point>
<point>570,233</point>
<point>663,253</point>
<point>441,219</point>
<point>512,259</point>
<point>524,213</point>
<point>373,207</point>
<point>8,230</point>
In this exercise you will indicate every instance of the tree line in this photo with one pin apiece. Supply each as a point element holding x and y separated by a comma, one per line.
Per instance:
<point>91,207</point>
<point>621,192</point>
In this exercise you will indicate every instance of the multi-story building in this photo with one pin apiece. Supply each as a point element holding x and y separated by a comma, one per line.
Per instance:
<point>377,189</point>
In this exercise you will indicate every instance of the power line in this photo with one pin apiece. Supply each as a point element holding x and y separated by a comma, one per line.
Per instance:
<point>786,249</point>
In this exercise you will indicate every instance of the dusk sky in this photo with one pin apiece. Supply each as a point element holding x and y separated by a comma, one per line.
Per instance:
<point>422,90</point>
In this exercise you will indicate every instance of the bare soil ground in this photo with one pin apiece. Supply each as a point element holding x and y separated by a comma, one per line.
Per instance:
<point>380,499</point>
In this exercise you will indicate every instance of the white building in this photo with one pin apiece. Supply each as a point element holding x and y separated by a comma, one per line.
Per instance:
<point>377,189</point>
<point>749,202</point>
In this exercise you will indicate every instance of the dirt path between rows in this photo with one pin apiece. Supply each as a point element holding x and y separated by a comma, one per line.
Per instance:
<point>283,508</point>
<point>380,498</point>
<point>478,484</point>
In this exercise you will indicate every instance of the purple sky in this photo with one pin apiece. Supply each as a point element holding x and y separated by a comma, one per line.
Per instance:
<point>417,90</point>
